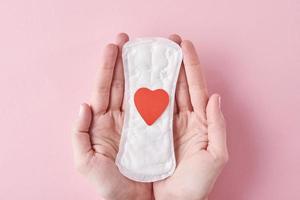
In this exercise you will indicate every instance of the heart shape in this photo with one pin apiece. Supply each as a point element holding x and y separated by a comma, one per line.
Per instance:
<point>151,103</point>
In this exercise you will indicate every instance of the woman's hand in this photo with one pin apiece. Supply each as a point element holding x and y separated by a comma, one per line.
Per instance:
<point>97,131</point>
<point>199,134</point>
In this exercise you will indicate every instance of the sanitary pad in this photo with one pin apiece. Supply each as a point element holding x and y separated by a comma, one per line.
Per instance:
<point>146,151</point>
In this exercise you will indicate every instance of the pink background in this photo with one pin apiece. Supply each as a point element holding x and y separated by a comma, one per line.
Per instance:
<point>49,54</point>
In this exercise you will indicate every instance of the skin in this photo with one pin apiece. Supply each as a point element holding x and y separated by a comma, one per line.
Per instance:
<point>199,133</point>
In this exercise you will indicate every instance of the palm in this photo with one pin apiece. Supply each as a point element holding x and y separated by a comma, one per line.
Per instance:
<point>193,161</point>
<point>105,136</point>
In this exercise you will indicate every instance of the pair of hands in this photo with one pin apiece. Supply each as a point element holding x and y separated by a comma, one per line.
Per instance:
<point>199,133</point>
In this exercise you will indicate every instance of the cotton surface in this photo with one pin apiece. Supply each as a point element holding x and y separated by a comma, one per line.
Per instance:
<point>146,152</point>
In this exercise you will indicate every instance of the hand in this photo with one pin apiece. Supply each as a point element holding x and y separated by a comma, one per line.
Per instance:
<point>97,132</point>
<point>199,134</point>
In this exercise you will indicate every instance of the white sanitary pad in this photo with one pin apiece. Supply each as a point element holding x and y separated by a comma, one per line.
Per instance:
<point>146,151</point>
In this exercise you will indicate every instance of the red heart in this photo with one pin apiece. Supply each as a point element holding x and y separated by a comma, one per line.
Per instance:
<point>151,104</point>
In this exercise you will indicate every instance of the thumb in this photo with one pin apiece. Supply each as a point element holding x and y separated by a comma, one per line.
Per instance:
<point>216,127</point>
<point>80,138</point>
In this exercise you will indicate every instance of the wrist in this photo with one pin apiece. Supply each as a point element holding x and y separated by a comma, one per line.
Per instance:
<point>130,195</point>
<point>140,195</point>
<point>180,197</point>
<point>133,197</point>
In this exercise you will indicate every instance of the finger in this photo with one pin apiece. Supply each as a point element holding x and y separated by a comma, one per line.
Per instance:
<point>182,95</point>
<point>100,96</point>
<point>117,85</point>
<point>216,126</point>
<point>195,77</point>
<point>175,38</point>
<point>182,92</point>
<point>80,138</point>
<point>175,110</point>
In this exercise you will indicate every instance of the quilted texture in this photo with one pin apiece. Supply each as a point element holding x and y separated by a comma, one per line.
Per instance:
<point>146,152</point>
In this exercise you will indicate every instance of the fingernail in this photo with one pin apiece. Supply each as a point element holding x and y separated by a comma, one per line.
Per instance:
<point>80,110</point>
<point>220,102</point>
